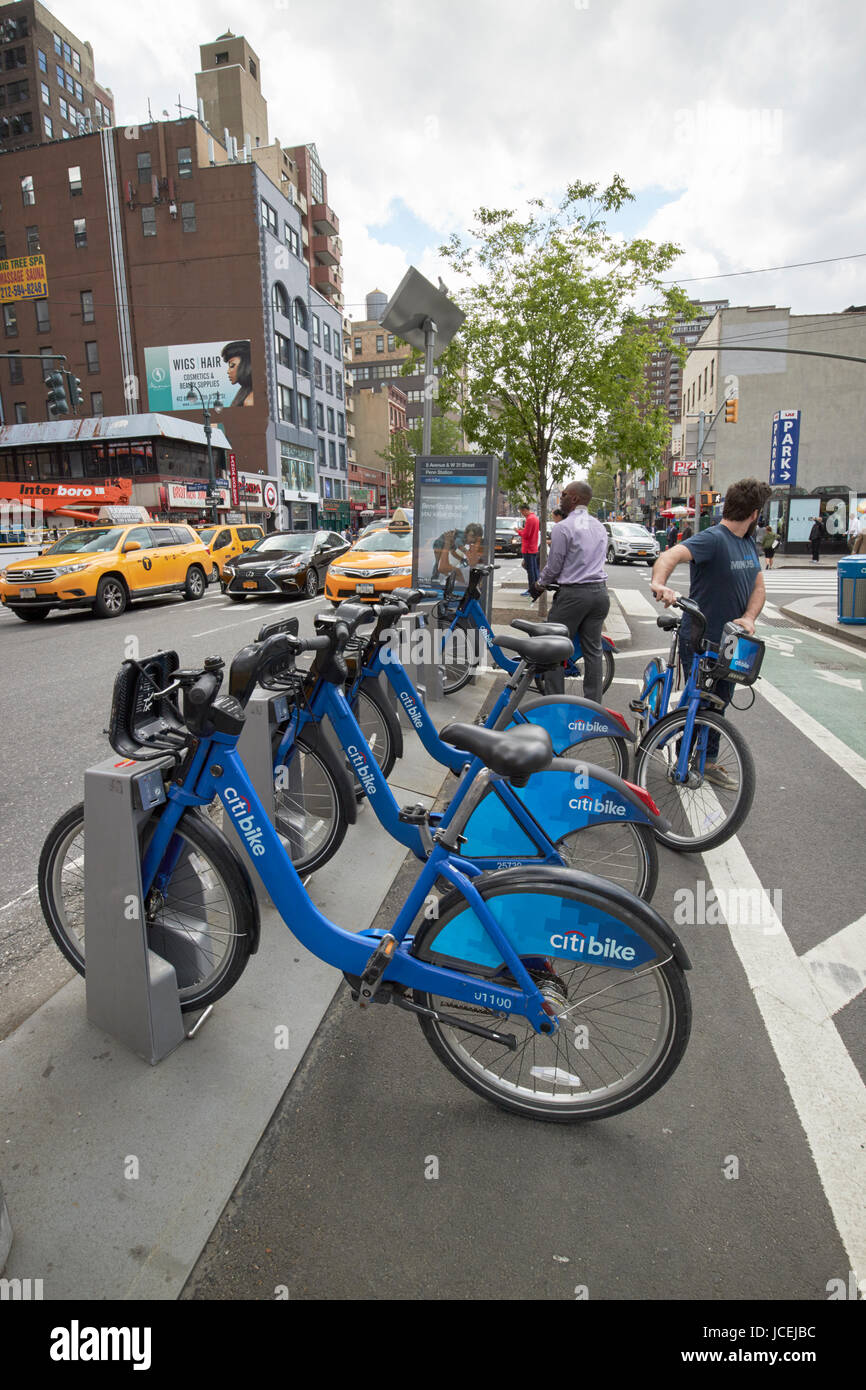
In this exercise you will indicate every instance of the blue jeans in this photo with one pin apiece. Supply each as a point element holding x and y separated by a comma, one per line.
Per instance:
<point>530,564</point>
<point>724,690</point>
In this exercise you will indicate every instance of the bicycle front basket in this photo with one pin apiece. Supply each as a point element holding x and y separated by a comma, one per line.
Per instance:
<point>738,659</point>
<point>143,723</point>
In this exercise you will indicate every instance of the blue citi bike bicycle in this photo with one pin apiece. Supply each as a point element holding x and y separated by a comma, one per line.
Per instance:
<point>578,814</point>
<point>463,622</point>
<point>693,761</point>
<point>551,992</point>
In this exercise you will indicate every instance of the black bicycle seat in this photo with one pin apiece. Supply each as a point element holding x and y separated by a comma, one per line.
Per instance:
<point>515,754</point>
<point>668,621</point>
<point>540,652</point>
<point>483,569</point>
<point>540,629</point>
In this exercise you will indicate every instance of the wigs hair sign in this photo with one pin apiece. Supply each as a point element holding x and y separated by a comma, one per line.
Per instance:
<point>214,369</point>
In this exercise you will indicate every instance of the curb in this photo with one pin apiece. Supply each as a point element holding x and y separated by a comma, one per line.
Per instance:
<point>798,612</point>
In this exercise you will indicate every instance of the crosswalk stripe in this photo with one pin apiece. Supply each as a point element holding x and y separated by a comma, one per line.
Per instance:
<point>634,603</point>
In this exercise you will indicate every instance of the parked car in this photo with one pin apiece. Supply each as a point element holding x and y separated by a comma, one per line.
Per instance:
<point>375,565</point>
<point>104,567</point>
<point>225,543</point>
<point>628,541</point>
<point>285,562</point>
<point>507,541</point>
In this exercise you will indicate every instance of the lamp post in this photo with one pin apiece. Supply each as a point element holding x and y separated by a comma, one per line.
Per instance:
<point>215,405</point>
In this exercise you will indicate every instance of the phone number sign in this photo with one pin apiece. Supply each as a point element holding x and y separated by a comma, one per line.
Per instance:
<point>23,277</point>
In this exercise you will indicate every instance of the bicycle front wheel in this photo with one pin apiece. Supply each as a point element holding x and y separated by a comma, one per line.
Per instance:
<point>711,806</point>
<point>379,725</point>
<point>622,852</point>
<point>574,677</point>
<point>622,1032</point>
<point>311,801</point>
<point>458,658</point>
<point>204,922</point>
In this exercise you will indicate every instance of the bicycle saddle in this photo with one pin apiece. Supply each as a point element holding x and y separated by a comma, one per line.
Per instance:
<point>515,754</point>
<point>540,629</point>
<point>540,652</point>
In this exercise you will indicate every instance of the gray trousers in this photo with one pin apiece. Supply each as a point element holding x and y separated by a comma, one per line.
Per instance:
<point>583,608</point>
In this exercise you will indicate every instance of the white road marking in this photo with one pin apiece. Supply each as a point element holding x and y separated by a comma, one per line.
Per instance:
<point>838,965</point>
<point>825,1086</point>
<point>836,750</point>
<point>853,682</point>
<point>648,651</point>
<point>260,616</point>
<point>634,603</point>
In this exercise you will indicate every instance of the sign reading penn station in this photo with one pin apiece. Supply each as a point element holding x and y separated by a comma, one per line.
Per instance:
<point>221,369</point>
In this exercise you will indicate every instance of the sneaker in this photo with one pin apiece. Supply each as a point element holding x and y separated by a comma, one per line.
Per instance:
<point>524,593</point>
<point>720,777</point>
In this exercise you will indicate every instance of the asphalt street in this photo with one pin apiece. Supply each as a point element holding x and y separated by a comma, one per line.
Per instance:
<point>381,1177</point>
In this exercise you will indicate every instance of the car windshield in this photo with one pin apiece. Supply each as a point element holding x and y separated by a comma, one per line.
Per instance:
<point>208,534</point>
<point>505,523</point>
<point>387,540</point>
<point>105,538</point>
<point>288,544</point>
<point>621,529</point>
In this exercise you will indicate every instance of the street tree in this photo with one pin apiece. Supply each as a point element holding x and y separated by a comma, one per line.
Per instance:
<point>556,339</point>
<point>400,454</point>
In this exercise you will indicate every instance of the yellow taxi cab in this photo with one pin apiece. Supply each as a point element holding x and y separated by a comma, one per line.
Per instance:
<point>104,567</point>
<point>225,543</point>
<point>377,564</point>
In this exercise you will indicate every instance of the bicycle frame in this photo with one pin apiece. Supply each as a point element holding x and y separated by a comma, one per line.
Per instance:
<point>217,769</point>
<point>693,698</point>
<point>471,609</point>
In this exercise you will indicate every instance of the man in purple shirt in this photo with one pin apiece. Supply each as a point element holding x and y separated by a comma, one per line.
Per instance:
<point>576,563</point>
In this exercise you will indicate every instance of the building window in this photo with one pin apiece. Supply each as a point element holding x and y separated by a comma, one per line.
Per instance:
<point>293,241</point>
<point>321,452</point>
<point>20,412</point>
<point>96,407</point>
<point>187,216</point>
<point>326,337</point>
<point>280,301</point>
<point>64,110</point>
<point>380,343</point>
<point>91,352</point>
<point>320,415</point>
<point>358,346</point>
<point>70,84</point>
<point>332,453</point>
<point>337,348</point>
<point>67,53</point>
<point>286,412</point>
<point>184,162</point>
<point>10,321</point>
<point>338,385</point>
<point>317,183</point>
<point>32,234</point>
<point>49,128</point>
<point>220,58</point>
<point>300,314</point>
<point>391,342</point>
<point>148,221</point>
<point>343,457</point>
<point>41,60</point>
<point>283,350</point>
<point>341,423</point>
<point>330,420</point>
<point>304,410</point>
<point>46,95</point>
<point>79,228</point>
<point>317,330</point>
<point>144,170</point>
<point>16,371</point>
<point>75,184</point>
<point>302,358</point>
<point>253,72</point>
<point>329,381</point>
<point>16,58</point>
<point>269,218</point>
<point>87,309</point>
<point>28,191</point>
<point>76,61</point>
<point>43,316</point>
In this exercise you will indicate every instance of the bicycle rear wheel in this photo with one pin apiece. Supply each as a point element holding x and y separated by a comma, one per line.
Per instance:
<point>703,813</point>
<point>623,852</point>
<point>204,922</point>
<point>574,679</point>
<point>622,1032</point>
<point>458,658</point>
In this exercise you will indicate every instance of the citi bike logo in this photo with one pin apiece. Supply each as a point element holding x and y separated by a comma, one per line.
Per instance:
<point>362,770</point>
<point>240,809</point>
<point>411,708</point>
<point>579,945</point>
<point>588,726</point>
<point>602,806</point>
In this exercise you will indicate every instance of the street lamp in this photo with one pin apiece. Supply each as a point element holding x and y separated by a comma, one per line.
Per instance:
<point>216,405</point>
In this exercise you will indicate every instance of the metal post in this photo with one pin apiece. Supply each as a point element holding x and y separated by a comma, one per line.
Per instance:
<point>210,468</point>
<point>700,469</point>
<point>427,431</point>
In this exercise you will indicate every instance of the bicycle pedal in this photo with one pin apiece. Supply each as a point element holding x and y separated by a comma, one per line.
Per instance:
<point>375,968</point>
<point>415,815</point>
<point>637,706</point>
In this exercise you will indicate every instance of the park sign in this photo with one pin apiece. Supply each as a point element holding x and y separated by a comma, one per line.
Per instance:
<point>23,277</point>
<point>784,448</point>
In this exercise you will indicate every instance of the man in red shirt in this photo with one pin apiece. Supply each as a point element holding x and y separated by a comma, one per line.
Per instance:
<point>528,534</point>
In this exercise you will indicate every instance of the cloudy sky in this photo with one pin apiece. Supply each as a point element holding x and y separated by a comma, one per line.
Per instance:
<point>740,127</point>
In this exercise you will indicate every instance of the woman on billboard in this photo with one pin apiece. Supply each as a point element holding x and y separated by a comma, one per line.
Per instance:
<point>240,372</point>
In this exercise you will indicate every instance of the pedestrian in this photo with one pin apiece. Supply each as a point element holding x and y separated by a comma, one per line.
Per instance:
<point>769,541</point>
<point>817,534</point>
<point>673,534</point>
<point>726,583</point>
<point>528,534</point>
<point>686,533</point>
<point>556,514</point>
<point>576,562</point>
<point>857,532</point>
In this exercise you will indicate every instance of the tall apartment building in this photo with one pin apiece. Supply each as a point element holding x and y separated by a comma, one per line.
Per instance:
<point>377,356</point>
<point>48,88</point>
<point>161,242</point>
<point>380,413</point>
<point>231,104</point>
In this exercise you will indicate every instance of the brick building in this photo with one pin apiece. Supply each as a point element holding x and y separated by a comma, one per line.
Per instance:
<point>48,88</point>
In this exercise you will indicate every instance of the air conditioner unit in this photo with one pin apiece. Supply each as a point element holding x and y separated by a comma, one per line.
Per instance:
<point>172,208</point>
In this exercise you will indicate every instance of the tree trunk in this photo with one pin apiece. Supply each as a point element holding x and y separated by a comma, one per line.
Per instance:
<point>542,529</point>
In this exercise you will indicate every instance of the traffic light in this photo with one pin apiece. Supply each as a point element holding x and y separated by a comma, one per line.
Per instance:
<point>76,396</point>
<point>731,409</point>
<point>56,399</point>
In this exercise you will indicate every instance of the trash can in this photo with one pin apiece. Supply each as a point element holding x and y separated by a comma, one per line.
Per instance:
<point>852,589</point>
<point>662,538</point>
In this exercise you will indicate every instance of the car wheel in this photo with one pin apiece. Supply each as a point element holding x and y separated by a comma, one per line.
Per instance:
<point>195,583</point>
<point>311,583</point>
<point>611,555</point>
<point>111,597</point>
<point>238,598</point>
<point>30,615</point>
<point>223,586</point>
<point>651,563</point>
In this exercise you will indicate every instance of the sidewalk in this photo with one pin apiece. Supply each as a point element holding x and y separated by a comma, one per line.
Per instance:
<point>820,614</point>
<point>115,1172</point>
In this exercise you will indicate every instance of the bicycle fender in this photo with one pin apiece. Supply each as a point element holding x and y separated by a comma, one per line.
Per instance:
<point>540,922</point>
<point>571,795</point>
<point>569,720</point>
<point>609,643</point>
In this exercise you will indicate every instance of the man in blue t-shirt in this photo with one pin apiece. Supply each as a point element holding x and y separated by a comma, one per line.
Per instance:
<point>725,582</point>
